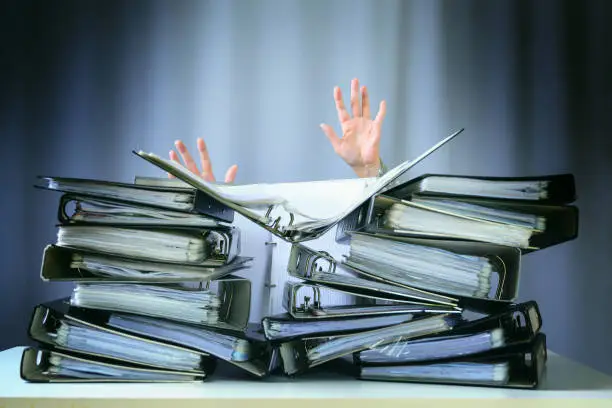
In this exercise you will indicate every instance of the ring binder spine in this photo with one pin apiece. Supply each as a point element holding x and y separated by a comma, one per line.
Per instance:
<point>293,355</point>
<point>355,221</point>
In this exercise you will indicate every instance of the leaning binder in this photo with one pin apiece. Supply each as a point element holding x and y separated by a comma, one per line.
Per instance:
<point>318,267</point>
<point>321,269</point>
<point>521,321</point>
<point>171,198</point>
<point>247,350</point>
<point>498,278</point>
<point>517,324</point>
<point>185,245</point>
<point>52,325</point>
<point>312,308</point>
<point>42,365</point>
<point>550,189</point>
<point>282,327</point>
<point>562,222</point>
<point>61,264</point>
<point>560,225</point>
<point>521,366</point>
<point>83,210</point>
<point>227,308</point>
<point>274,213</point>
<point>301,354</point>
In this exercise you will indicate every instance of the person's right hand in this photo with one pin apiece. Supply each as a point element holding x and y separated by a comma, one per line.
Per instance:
<point>359,143</point>
<point>189,163</point>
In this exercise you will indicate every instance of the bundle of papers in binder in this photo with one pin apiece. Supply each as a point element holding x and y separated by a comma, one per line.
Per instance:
<point>156,295</point>
<point>427,288</point>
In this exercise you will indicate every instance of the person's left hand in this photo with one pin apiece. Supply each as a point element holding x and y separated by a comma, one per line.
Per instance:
<point>359,145</point>
<point>189,163</point>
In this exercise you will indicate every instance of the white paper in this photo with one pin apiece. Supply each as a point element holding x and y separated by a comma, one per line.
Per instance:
<point>312,205</point>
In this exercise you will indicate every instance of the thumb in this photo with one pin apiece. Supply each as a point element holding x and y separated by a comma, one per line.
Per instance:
<point>230,175</point>
<point>331,135</point>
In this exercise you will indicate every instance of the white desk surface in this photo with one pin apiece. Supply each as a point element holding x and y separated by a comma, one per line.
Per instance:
<point>564,379</point>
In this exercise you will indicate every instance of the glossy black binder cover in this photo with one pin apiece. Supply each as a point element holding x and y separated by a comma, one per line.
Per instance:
<point>212,259</point>
<point>202,203</point>
<point>522,321</point>
<point>234,311</point>
<point>521,324</point>
<point>510,257</point>
<point>65,219</point>
<point>367,303</point>
<point>288,319</point>
<point>57,259</point>
<point>257,366</point>
<point>303,261</point>
<point>562,188</point>
<point>46,317</point>
<point>562,221</point>
<point>527,364</point>
<point>33,370</point>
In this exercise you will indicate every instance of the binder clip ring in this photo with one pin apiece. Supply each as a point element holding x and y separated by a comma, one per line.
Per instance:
<point>316,303</point>
<point>315,266</point>
<point>275,225</point>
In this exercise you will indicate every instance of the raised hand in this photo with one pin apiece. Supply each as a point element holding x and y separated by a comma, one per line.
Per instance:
<point>189,163</point>
<point>360,141</point>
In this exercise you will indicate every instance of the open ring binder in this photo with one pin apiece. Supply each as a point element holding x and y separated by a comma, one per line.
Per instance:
<point>285,225</point>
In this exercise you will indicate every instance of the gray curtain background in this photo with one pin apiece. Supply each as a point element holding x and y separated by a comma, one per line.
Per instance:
<point>85,82</point>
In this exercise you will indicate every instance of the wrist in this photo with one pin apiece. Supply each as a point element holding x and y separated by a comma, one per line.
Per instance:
<point>376,169</point>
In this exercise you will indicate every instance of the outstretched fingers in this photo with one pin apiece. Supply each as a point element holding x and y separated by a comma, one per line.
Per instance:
<point>189,163</point>
<point>186,156</point>
<point>343,115</point>
<point>355,98</point>
<point>365,103</point>
<point>207,172</point>
<point>380,117</point>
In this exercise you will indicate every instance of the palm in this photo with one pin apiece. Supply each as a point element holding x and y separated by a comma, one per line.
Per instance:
<point>358,146</point>
<point>360,141</point>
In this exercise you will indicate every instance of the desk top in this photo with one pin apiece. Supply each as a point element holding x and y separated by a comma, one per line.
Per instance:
<point>564,379</point>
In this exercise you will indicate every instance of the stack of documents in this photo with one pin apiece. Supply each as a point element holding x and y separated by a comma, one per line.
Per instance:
<point>401,319</point>
<point>425,289</point>
<point>530,213</point>
<point>155,297</point>
<point>422,257</point>
<point>462,237</point>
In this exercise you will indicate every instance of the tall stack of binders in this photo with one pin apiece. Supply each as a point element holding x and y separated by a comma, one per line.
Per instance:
<point>434,267</point>
<point>432,271</point>
<point>426,291</point>
<point>155,297</point>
